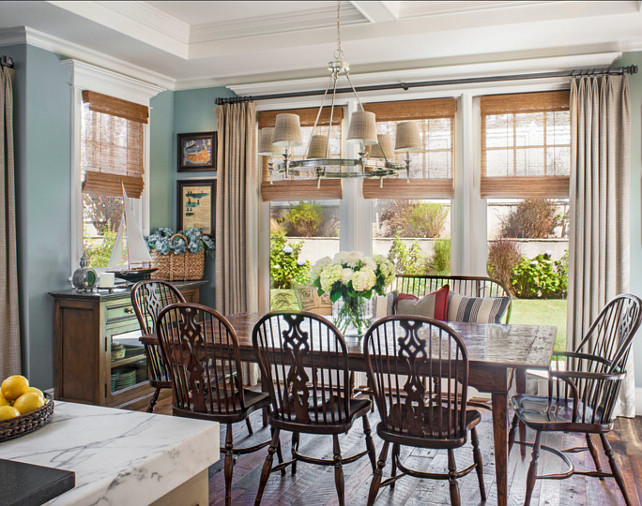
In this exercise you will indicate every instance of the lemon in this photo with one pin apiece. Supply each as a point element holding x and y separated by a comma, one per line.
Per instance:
<point>3,401</point>
<point>28,402</point>
<point>14,386</point>
<point>36,391</point>
<point>7,412</point>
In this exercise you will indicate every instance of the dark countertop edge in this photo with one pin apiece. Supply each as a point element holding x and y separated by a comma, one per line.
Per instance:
<point>117,292</point>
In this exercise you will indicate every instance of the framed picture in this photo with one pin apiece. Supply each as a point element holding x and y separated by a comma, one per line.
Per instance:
<point>197,151</point>
<point>196,207</point>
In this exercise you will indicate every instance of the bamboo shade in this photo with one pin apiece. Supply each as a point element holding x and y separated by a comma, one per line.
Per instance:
<point>389,188</point>
<point>301,189</point>
<point>529,187</point>
<point>525,102</point>
<point>408,110</point>
<point>115,106</point>
<point>307,116</point>
<point>532,159</point>
<point>112,149</point>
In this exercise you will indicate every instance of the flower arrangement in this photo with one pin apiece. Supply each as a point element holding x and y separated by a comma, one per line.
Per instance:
<point>352,277</point>
<point>162,242</point>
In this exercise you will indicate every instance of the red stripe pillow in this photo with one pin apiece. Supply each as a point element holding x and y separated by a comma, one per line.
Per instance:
<point>434,305</point>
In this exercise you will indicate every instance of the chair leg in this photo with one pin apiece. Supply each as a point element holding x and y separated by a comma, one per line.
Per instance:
<point>153,400</point>
<point>279,452</point>
<point>267,466</point>
<point>477,457</point>
<point>615,469</point>
<point>369,442</point>
<point>295,446</point>
<point>249,425</point>
<point>593,450</point>
<point>532,468</point>
<point>339,480</point>
<point>511,434</point>
<point>455,500</point>
<point>376,479</point>
<point>396,449</point>
<point>229,464</point>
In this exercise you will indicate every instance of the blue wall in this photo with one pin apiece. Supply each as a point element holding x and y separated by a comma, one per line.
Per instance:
<point>162,165</point>
<point>43,186</point>
<point>194,112</point>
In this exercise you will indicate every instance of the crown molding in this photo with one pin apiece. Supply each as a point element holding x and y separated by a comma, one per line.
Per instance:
<point>273,24</point>
<point>89,77</point>
<point>27,35</point>
<point>506,67</point>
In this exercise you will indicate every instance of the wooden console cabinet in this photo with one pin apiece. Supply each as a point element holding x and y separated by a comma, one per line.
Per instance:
<point>85,327</point>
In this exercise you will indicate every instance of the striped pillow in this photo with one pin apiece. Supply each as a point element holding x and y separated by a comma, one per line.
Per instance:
<point>476,309</point>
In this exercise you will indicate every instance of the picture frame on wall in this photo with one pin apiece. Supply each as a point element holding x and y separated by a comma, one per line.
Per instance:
<point>196,205</point>
<point>196,151</point>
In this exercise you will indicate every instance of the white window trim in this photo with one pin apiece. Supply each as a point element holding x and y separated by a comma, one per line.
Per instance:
<point>83,76</point>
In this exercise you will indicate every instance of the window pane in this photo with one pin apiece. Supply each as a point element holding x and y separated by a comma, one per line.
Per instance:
<point>558,161</point>
<point>530,162</point>
<point>558,128</point>
<point>413,234</point>
<point>101,218</point>
<point>300,234</point>
<point>499,163</point>
<point>529,129</point>
<point>528,252</point>
<point>499,131</point>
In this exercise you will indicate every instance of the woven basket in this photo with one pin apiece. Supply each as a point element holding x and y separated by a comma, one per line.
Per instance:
<point>24,424</point>
<point>185,267</point>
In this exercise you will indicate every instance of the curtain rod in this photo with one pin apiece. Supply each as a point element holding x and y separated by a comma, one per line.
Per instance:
<point>6,61</point>
<point>632,69</point>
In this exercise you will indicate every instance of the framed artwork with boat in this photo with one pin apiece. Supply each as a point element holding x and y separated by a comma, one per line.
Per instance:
<point>196,151</point>
<point>196,205</point>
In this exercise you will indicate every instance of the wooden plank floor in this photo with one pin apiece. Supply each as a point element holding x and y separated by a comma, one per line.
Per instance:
<point>314,485</point>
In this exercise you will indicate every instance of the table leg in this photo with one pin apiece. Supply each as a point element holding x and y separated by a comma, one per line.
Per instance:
<point>520,385</point>
<point>500,433</point>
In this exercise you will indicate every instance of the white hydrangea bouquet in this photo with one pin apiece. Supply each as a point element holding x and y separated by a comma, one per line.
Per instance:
<point>351,278</point>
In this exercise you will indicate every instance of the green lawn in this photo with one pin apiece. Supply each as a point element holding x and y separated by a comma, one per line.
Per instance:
<point>542,312</point>
<point>525,311</point>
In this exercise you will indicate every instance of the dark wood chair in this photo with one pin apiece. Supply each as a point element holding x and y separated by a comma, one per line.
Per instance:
<point>415,400</point>
<point>149,297</point>
<point>470,286</point>
<point>309,395</point>
<point>201,351</point>
<point>583,393</point>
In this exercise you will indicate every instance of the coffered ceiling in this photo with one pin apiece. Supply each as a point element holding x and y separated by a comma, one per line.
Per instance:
<point>195,44</point>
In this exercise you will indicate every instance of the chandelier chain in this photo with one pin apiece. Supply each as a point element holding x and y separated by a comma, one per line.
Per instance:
<point>338,54</point>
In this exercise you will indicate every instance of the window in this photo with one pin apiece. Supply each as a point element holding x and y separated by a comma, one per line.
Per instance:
<point>525,145</point>
<point>111,156</point>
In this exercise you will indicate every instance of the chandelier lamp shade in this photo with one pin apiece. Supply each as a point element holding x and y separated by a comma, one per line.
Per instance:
<point>268,148</point>
<point>375,152</point>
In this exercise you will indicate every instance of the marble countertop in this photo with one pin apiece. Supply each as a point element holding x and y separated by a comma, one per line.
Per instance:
<point>119,457</point>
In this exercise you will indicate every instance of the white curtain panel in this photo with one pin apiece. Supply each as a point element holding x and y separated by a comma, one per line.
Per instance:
<point>9,318</point>
<point>237,213</point>
<point>600,192</point>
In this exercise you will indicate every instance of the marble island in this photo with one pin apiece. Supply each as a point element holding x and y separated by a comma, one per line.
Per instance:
<point>122,457</point>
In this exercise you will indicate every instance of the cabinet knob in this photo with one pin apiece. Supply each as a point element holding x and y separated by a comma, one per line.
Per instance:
<point>129,310</point>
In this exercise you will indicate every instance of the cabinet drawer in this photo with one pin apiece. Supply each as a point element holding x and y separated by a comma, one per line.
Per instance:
<point>120,312</point>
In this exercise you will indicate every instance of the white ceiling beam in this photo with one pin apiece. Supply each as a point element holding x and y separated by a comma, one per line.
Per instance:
<point>377,11</point>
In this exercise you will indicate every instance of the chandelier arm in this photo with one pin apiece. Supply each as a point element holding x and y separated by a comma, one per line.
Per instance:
<point>354,91</point>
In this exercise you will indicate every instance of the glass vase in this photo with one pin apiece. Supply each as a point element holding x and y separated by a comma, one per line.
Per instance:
<point>352,315</point>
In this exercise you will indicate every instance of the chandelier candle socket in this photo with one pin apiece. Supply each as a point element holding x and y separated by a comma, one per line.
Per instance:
<point>351,279</point>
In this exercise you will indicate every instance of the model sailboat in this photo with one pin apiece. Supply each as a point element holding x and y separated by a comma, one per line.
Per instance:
<point>138,263</point>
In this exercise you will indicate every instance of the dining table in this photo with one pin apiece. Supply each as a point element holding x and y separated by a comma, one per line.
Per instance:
<point>495,353</point>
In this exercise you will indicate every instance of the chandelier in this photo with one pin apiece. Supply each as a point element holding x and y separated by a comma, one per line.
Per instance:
<point>375,151</point>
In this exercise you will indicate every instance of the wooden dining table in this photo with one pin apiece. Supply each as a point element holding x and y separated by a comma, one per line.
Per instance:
<point>494,352</point>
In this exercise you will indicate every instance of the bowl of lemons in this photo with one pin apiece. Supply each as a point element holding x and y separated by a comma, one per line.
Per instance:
<point>23,408</point>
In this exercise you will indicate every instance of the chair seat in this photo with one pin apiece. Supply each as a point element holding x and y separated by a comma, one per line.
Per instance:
<point>420,436</point>
<point>356,409</point>
<point>531,409</point>
<point>253,401</point>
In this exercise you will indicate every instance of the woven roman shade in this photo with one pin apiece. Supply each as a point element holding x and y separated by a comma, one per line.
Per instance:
<point>525,145</point>
<point>112,148</point>
<point>306,115</point>
<point>418,111</point>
